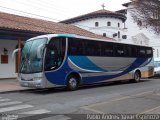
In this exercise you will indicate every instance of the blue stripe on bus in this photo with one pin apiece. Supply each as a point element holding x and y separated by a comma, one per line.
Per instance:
<point>58,77</point>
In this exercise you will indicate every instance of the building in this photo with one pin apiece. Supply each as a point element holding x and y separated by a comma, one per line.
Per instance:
<point>139,35</point>
<point>102,22</point>
<point>118,25</point>
<point>15,30</point>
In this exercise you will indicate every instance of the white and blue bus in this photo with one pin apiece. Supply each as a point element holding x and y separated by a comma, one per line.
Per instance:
<point>68,60</point>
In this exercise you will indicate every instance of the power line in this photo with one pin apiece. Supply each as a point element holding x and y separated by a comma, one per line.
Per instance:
<point>31,14</point>
<point>49,4</point>
<point>40,6</point>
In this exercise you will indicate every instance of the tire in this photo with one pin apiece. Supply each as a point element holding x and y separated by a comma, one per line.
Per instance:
<point>72,83</point>
<point>137,77</point>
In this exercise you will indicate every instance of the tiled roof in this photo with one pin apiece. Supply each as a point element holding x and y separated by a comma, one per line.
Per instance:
<point>99,13</point>
<point>16,22</point>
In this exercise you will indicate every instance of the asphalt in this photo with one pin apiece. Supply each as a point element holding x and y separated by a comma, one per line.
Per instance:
<point>11,85</point>
<point>144,102</point>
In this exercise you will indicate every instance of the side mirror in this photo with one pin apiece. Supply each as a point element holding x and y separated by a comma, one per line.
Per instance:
<point>15,51</point>
<point>39,50</point>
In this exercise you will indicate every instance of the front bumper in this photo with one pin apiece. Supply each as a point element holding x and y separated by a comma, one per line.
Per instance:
<point>32,84</point>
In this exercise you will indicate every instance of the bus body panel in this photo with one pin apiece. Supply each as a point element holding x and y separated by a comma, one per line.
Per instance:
<point>92,74</point>
<point>32,80</point>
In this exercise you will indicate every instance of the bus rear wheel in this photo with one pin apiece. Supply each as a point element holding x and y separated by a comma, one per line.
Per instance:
<point>72,83</point>
<point>137,77</point>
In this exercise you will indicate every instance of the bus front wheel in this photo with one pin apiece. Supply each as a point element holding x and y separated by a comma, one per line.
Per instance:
<point>72,83</point>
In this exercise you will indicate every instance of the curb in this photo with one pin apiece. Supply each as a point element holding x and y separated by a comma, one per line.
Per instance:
<point>12,91</point>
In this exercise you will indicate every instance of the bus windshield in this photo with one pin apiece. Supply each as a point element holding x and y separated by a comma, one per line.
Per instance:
<point>30,62</point>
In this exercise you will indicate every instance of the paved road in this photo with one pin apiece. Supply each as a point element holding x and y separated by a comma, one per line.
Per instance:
<point>136,98</point>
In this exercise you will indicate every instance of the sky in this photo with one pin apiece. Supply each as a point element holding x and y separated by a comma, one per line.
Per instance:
<point>57,10</point>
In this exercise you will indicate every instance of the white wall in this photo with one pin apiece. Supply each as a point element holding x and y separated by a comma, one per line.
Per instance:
<point>7,70</point>
<point>89,25</point>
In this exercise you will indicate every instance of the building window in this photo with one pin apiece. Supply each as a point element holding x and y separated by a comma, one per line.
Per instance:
<point>108,23</point>
<point>96,24</point>
<point>118,34</point>
<point>124,36</point>
<point>118,24</point>
<point>4,59</point>
<point>104,34</point>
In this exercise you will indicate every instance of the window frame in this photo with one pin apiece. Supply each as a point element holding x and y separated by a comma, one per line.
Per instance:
<point>96,24</point>
<point>108,23</point>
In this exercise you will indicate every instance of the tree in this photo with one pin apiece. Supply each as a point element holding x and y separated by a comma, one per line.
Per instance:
<point>147,14</point>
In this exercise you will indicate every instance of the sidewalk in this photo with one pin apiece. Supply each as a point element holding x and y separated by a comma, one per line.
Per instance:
<point>11,85</point>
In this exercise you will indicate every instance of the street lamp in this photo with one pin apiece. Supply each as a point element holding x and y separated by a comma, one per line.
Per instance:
<point>5,51</point>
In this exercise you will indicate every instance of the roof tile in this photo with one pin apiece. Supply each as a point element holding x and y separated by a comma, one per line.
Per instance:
<point>37,25</point>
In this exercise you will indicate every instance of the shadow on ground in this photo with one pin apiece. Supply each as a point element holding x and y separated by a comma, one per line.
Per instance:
<point>62,89</point>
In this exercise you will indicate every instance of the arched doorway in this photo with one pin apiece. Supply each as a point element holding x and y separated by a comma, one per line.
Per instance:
<point>17,58</point>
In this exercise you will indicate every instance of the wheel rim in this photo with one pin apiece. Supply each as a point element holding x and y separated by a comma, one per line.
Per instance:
<point>73,82</point>
<point>137,77</point>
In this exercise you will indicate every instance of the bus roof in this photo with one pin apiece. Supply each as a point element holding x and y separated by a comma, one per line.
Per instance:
<point>82,37</point>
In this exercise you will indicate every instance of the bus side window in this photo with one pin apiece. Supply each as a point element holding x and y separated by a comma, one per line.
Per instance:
<point>131,51</point>
<point>149,52</point>
<point>76,47</point>
<point>107,49</point>
<point>142,52</point>
<point>120,50</point>
<point>51,58</point>
<point>89,48</point>
<point>72,50</point>
<point>55,53</point>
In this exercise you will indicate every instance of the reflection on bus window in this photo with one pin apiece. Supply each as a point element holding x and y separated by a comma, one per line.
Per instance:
<point>55,54</point>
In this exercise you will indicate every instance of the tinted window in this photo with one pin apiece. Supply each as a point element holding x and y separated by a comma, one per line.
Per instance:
<point>142,52</point>
<point>131,51</point>
<point>119,50</point>
<point>55,53</point>
<point>75,46</point>
<point>149,52</point>
<point>107,49</point>
<point>83,47</point>
<point>92,48</point>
